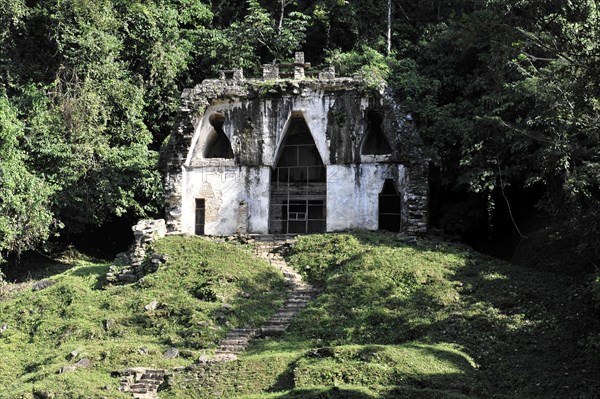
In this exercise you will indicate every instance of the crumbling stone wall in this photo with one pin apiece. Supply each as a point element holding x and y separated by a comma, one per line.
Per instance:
<point>145,232</point>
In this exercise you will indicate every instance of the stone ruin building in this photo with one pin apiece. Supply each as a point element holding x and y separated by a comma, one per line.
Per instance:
<point>291,153</point>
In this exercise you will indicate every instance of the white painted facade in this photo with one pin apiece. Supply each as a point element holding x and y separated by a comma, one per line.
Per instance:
<point>237,193</point>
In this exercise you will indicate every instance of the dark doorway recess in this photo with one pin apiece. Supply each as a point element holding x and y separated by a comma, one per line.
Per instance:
<point>217,143</point>
<point>375,142</point>
<point>390,207</point>
<point>298,187</point>
<point>200,216</point>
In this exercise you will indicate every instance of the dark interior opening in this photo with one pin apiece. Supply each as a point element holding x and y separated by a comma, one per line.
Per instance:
<point>375,142</point>
<point>217,144</point>
<point>298,186</point>
<point>200,216</point>
<point>390,207</point>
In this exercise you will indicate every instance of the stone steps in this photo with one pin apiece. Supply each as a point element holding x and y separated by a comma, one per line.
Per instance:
<point>270,248</point>
<point>142,383</point>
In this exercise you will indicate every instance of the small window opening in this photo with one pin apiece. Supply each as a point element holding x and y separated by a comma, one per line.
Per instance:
<point>200,216</point>
<point>375,142</point>
<point>390,207</point>
<point>217,143</point>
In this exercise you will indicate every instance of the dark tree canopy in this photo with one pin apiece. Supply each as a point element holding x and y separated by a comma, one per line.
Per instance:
<point>505,93</point>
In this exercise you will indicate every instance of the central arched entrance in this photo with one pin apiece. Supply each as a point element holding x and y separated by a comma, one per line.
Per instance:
<point>298,184</point>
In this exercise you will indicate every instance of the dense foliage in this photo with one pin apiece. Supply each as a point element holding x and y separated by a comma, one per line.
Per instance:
<point>504,92</point>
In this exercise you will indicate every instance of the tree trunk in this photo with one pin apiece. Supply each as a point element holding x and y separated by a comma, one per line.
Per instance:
<point>389,27</point>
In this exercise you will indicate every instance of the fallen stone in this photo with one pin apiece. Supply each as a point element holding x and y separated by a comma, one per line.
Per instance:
<point>73,354</point>
<point>224,357</point>
<point>227,307</point>
<point>67,369</point>
<point>3,328</point>
<point>203,359</point>
<point>108,324</point>
<point>186,353</point>
<point>83,363</point>
<point>151,306</point>
<point>43,284</point>
<point>321,352</point>
<point>143,351</point>
<point>159,259</point>
<point>171,353</point>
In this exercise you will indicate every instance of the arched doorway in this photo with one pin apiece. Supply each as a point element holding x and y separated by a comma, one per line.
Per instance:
<point>390,207</point>
<point>298,184</point>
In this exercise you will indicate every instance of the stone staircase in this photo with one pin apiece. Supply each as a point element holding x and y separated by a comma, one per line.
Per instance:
<point>270,248</point>
<point>143,383</point>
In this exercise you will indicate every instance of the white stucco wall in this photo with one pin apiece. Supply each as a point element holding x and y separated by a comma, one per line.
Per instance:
<point>352,190</point>
<point>223,188</point>
<point>353,194</point>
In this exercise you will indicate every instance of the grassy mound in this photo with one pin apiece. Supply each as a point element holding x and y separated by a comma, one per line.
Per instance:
<point>426,320</point>
<point>394,320</point>
<point>204,290</point>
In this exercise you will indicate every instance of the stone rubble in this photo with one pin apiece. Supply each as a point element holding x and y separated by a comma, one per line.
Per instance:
<point>151,306</point>
<point>42,285</point>
<point>143,383</point>
<point>145,232</point>
<point>171,353</point>
<point>83,363</point>
<point>74,353</point>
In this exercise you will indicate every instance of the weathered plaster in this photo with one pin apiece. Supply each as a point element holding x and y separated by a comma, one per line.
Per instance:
<point>353,194</point>
<point>223,189</point>
<point>256,115</point>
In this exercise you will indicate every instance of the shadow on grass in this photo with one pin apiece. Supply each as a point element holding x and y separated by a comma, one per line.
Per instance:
<point>327,393</point>
<point>285,380</point>
<point>98,272</point>
<point>523,328</point>
<point>33,266</point>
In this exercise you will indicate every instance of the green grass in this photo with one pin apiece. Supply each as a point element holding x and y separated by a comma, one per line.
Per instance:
<point>426,320</point>
<point>419,321</point>
<point>200,278</point>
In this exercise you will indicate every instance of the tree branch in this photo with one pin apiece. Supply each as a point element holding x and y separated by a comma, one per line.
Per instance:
<point>506,200</point>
